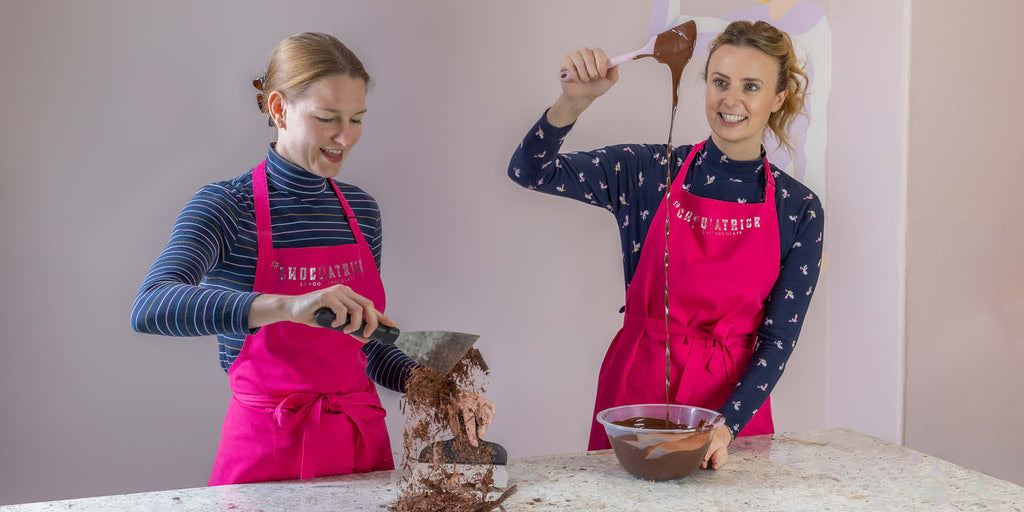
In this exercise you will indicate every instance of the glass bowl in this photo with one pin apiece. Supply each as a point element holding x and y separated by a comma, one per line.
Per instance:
<point>660,454</point>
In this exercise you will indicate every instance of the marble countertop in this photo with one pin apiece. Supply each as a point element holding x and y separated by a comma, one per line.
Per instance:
<point>823,470</point>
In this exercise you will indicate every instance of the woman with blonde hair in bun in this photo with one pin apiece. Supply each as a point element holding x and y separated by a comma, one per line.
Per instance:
<point>252,258</point>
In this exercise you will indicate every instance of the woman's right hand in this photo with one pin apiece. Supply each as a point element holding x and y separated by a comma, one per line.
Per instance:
<point>342,300</point>
<point>590,74</point>
<point>591,77</point>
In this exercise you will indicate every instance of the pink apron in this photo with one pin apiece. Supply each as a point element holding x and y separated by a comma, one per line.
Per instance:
<point>724,261</point>
<point>303,406</point>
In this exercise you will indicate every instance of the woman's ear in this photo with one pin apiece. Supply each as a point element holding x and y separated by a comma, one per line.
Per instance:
<point>780,98</point>
<point>277,108</point>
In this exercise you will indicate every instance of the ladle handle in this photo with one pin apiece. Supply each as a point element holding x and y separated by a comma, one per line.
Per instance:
<point>387,335</point>
<point>566,76</point>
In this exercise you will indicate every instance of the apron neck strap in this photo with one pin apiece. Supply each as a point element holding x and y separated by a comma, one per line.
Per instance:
<point>349,214</point>
<point>685,168</point>
<point>261,205</point>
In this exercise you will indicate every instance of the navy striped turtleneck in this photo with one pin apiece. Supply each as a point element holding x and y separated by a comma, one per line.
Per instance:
<point>201,283</point>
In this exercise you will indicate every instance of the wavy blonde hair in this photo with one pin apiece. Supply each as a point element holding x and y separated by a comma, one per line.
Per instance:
<point>302,59</point>
<point>792,78</point>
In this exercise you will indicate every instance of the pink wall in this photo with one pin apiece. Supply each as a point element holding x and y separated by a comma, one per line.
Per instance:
<point>118,111</point>
<point>965,239</point>
<point>866,216</point>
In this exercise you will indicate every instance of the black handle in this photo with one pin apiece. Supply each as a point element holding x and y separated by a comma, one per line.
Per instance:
<point>387,335</point>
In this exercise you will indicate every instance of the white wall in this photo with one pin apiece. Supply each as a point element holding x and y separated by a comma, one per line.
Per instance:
<point>866,218</point>
<point>117,111</point>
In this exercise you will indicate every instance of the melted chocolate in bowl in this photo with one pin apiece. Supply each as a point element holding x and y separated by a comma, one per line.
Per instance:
<point>648,423</point>
<point>652,423</point>
<point>661,454</point>
<point>657,456</point>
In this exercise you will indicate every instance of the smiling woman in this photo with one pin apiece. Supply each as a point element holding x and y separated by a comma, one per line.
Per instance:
<point>739,106</point>
<point>304,402</point>
<point>319,129</point>
<point>753,53</point>
<point>738,249</point>
<point>316,97</point>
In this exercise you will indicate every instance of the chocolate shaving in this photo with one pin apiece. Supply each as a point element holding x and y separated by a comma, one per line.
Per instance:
<point>429,398</point>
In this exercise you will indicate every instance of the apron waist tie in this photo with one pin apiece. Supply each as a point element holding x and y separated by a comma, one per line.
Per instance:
<point>360,408</point>
<point>720,337</point>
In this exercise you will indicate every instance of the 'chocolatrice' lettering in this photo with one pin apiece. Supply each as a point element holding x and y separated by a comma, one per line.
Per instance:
<point>717,224</point>
<point>339,272</point>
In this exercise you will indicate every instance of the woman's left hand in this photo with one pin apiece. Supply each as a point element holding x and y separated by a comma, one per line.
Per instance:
<point>477,414</point>
<point>718,452</point>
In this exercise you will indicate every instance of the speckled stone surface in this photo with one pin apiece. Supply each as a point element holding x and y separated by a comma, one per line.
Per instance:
<point>822,470</point>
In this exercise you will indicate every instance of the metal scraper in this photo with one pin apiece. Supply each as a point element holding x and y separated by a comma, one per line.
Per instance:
<point>438,350</point>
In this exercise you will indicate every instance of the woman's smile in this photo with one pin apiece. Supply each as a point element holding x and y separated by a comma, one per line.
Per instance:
<point>730,120</point>
<point>333,155</point>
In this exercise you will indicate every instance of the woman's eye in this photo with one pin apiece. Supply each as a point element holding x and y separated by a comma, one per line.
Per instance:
<point>753,87</point>
<point>357,121</point>
<point>720,83</point>
<point>323,120</point>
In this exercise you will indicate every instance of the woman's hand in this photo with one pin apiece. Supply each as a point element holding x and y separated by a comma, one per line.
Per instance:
<point>591,78</point>
<point>342,300</point>
<point>477,414</point>
<point>718,452</point>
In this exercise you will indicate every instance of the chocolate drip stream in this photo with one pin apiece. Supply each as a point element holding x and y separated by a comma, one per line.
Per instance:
<point>674,48</point>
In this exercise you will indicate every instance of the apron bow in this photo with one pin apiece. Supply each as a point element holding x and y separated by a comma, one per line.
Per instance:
<point>307,407</point>
<point>717,341</point>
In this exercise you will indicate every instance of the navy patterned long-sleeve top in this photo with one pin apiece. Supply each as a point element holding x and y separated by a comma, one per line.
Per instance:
<point>201,283</point>
<point>629,180</point>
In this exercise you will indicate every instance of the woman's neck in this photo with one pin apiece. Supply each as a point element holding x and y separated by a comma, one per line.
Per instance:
<point>285,153</point>
<point>738,151</point>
